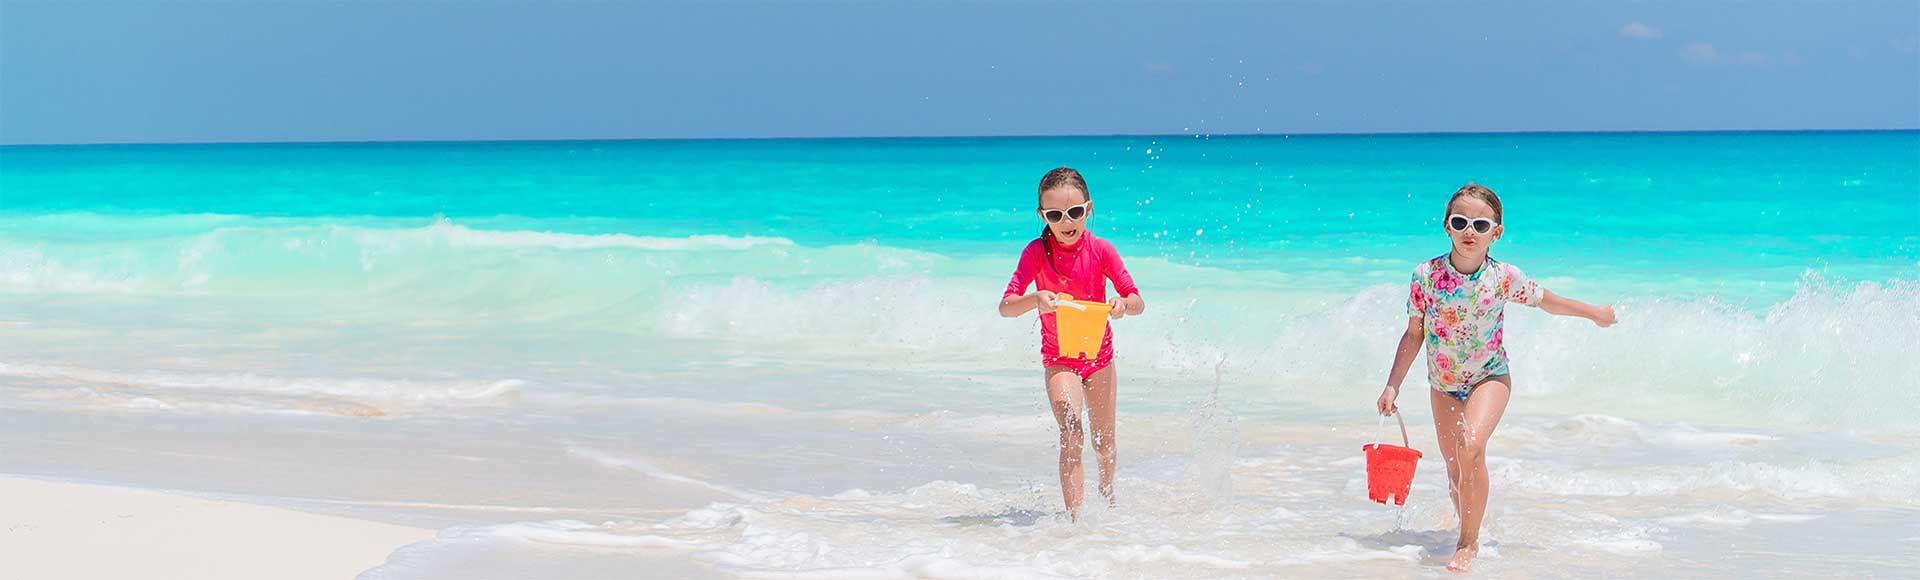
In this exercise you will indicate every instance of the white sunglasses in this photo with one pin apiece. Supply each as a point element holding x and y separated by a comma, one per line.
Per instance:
<point>1460,223</point>
<point>1053,216</point>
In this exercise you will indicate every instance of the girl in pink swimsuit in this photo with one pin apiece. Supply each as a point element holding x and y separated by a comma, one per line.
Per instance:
<point>1068,262</point>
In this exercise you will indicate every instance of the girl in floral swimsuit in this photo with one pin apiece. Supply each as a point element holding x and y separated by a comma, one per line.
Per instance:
<point>1455,308</point>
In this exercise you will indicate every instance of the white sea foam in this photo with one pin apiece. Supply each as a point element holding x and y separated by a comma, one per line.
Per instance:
<point>1591,430</point>
<point>651,470</point>
<point>1835,353</point>
<point>26,269</point>
<point>459,235</point>
<point>955,530</point>
<point>278,257</point>
<point>1883,480</point>
<point>1732,518</point>
<point>384,394</point>
<point>1832,354</point>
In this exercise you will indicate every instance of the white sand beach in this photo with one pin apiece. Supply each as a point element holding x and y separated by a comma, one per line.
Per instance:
<point>73,530</point>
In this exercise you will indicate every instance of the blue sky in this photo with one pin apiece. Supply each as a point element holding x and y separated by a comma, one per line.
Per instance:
<point>88,72</point>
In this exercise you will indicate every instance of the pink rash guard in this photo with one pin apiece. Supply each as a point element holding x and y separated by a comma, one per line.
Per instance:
<point>1081,270</point>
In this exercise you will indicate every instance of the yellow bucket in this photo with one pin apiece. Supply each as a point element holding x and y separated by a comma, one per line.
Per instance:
<point>1081,326</point>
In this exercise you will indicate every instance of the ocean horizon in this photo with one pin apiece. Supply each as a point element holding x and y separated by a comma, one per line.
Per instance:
<point>1189,134</point>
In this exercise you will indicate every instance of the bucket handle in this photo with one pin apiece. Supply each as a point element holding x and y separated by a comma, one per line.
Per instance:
<point>1069,304</point>
<point>1404,442</point>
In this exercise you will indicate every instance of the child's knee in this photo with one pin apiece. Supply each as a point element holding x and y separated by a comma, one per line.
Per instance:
<point>1103,444</point>
<point>1474,452</point>
<point>1065,412</point>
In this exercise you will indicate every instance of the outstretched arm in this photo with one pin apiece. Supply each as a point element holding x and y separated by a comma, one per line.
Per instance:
<point>1564,306</point>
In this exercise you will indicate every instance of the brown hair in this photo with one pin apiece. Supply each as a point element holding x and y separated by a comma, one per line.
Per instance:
<point>1479,192</point>
<point>1060,177</point>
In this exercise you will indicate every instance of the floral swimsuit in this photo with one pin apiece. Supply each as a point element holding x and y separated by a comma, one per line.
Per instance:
<point>1463,315</point>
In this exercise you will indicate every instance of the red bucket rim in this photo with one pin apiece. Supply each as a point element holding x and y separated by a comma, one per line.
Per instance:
<point>1390,449</point>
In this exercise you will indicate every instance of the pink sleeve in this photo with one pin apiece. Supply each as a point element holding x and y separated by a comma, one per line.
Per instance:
<point>1117,271</point>
<point>1023,273</point>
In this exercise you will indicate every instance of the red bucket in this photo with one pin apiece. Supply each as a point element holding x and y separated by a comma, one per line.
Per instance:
<point>1390,467</point>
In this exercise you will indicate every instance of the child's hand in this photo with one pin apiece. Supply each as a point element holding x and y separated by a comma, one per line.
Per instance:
<point>1385,404</point>
<point>1603,316</point>
<point>1044,300</point>
<point>1117,306</point>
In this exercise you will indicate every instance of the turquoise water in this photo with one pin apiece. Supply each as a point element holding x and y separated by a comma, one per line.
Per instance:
<point>662,241</point>
<point>1710,213</point>
<point>781,357</point>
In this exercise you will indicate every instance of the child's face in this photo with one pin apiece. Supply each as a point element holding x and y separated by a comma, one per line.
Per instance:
<point>1466,241</point>
<point>1062,202</point>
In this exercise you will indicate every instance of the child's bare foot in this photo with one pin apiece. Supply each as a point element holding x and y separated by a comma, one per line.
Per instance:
<point>1463,558</point>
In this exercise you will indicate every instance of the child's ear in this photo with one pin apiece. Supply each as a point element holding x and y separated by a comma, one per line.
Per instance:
<point>1497,230</point>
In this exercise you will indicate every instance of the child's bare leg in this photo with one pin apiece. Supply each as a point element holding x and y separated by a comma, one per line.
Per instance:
<point>1449,426</point>
<point>1064,390</point>
<point>1101,408</point>
<point>1484,408</point>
